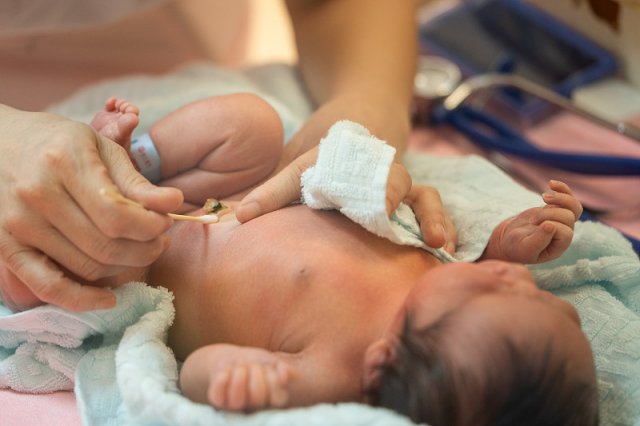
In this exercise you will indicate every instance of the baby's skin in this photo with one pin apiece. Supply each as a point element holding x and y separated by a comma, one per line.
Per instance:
<point>216,146</point>
<point>299,306</point>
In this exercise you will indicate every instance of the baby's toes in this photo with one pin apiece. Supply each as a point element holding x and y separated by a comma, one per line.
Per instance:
<point>126,125</point>
<point>110,104</point>
<point>124,106</point>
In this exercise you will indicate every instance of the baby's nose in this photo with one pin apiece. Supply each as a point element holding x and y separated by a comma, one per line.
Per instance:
<point>512,273</point>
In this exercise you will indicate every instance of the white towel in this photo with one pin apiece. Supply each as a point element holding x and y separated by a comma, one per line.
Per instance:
<point>350,175</point>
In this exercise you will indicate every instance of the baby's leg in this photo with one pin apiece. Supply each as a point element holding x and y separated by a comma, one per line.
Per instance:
<point>218,146</point>
<point>117,121</point>
<point>538,234</point>
<point>236,378</point>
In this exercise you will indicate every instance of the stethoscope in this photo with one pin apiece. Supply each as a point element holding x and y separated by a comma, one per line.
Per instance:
<point>440,95</point>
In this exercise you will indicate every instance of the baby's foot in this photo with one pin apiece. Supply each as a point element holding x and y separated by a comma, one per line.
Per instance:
<point>117,121</point>
<point>538,234</point>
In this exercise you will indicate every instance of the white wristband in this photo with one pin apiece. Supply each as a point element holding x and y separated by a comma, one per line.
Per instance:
<point>147,158</point>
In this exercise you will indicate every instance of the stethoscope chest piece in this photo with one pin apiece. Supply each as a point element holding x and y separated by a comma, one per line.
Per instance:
<point>435,79</point>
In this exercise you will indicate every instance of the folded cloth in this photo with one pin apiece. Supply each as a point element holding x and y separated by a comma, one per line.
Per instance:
<point>351,173</point>
<point>123,372</point>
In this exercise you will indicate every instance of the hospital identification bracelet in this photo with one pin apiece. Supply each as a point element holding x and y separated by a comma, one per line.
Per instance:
<point>146,157</point>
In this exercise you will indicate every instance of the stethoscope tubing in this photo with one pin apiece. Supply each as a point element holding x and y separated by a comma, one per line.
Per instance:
<point>491,133</point>
<point>499,137</point>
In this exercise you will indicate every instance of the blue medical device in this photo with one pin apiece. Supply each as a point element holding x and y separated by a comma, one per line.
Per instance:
<point>547,61</point>
<point>534,62</point>
<point>512,36</point>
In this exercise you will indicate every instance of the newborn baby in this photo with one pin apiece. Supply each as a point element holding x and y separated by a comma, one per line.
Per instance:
<point>299,307</point>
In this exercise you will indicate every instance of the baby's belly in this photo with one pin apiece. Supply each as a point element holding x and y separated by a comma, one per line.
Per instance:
<point>273,279</point>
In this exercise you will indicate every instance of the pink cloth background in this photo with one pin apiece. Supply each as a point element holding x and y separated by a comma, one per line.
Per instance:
<point>38,410</point>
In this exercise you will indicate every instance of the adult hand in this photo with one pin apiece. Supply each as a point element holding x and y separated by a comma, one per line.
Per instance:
<point>302,152</point>
<point>57,232</point>
<point>436,225</point>
<point>284,189</point>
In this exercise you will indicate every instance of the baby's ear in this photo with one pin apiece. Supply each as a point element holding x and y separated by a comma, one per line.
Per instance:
<point>378,355</point>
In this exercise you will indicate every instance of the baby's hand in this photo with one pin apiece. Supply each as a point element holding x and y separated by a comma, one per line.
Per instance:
<point>236,378</point>
<point>538,234</point>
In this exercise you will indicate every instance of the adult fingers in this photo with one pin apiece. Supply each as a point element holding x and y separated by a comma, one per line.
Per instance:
<point>436,225</point>
<point>93,258</point>
<point>398,185</point>
<point>73,240</point>
<point>277,192</point>
<point>80,173</point>
<point>48,283</point>
<point>133,185</point>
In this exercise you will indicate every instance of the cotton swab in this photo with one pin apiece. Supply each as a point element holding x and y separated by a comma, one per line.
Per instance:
<point>205,219</point>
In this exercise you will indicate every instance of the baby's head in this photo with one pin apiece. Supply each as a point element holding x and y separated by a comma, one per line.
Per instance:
<point>481,344</point>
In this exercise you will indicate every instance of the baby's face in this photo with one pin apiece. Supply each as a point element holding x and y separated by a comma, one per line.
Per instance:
<point>498,297</point>
<point>452,286</point>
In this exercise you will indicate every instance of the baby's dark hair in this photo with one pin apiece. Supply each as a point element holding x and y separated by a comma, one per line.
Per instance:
<point>518,387</point>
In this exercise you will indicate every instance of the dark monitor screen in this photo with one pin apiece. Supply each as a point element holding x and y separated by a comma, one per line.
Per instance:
<point>483,37</point>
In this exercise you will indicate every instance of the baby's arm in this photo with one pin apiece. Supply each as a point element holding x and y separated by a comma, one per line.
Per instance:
<point>241,378</point>
<point>538,234</point>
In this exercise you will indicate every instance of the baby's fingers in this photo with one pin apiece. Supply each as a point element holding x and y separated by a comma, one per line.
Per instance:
<point>560,237</point>
<point>228,390</point>
<point>277,378</point>
<point>237,397</point>
<point>561,196</point>
<point>554,213</point>
<point>258,387</point>
<point>217,393</point>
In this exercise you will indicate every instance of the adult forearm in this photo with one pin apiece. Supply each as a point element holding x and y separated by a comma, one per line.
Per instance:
<point>362,53</point>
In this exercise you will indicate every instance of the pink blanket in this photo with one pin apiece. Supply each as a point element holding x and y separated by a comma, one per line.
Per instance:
<point>53,409</point>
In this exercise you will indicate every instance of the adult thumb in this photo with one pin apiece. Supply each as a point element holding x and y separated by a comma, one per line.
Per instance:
<point>277,192</point>
<point>132,184</point>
